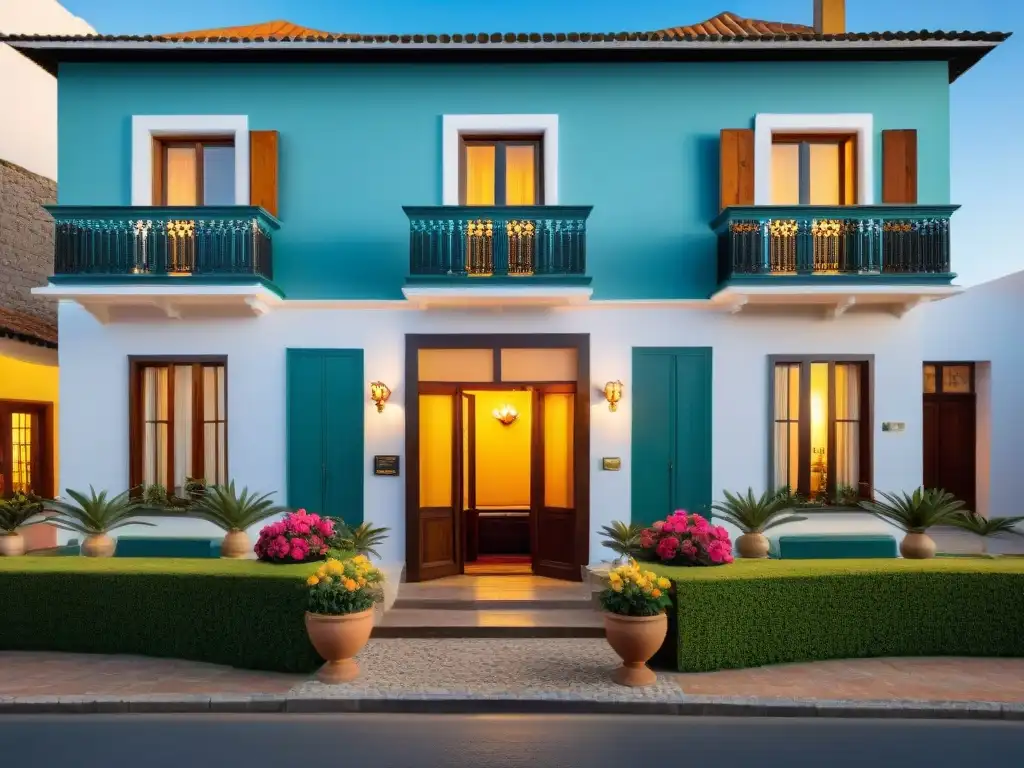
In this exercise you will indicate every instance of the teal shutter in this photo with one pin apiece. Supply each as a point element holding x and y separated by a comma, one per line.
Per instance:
<point>670,462</point>
<point>325,409</point>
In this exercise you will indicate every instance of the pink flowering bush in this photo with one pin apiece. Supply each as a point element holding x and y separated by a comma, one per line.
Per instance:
<point>683,539</point>
<point>295,539</point>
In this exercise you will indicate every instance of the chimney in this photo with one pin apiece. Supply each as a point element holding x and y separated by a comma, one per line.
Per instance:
<point>829,17</point>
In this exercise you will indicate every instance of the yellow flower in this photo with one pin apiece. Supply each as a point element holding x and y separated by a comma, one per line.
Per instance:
<point>361,581</point>
<point>650,575</point>
<point>334,567</point>
<point>321,572</point>
<point>613,577</point>
<point>616,586</point>
<point>350,585</point>
<point>361,559</point>
<point>312,581</point>
<point>664,583</point>
<point>326,580</point>
<point>655,592</point>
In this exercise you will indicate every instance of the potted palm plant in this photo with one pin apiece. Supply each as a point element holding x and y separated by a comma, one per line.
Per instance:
<point>985,527</point>
<point>363,539</point>
<point>635,623</point>
<point>234,513</point>
<point>16,512</point>
<point>623,539</point>
<point>753,516</point>
<point>94,517</point>
<point>914,513</point>
<point>339,616</point>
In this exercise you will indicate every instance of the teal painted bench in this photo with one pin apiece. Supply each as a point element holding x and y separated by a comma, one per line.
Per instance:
<point>157,546</point>
<point>833,546</point>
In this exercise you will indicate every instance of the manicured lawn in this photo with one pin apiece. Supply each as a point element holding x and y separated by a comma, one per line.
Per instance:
<point>161,565</point>
<point>757,612</point>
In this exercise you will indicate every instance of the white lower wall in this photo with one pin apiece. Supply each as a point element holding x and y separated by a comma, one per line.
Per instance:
<point>94,381</point>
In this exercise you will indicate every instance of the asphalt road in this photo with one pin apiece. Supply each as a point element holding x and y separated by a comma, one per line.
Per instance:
<point>508,741</point>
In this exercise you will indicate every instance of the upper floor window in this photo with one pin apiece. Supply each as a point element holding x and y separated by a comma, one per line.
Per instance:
<point>500,171</point>
<point>814,169</point>
<point>178,424</point>
<point>194,171</point>
<point>821,427</point>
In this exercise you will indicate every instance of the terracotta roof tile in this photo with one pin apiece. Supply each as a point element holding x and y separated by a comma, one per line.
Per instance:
<point>279,29</point>
<point>22,327</point>
<point>736,26</point>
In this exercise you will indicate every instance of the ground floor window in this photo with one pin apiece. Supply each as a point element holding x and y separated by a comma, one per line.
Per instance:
<point>821,427</point>
<point>178,424</point>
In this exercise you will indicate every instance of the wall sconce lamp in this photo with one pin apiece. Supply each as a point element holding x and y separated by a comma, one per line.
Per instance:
<point>379,393</point>
<point>613,394</point>
<point>506,414</point>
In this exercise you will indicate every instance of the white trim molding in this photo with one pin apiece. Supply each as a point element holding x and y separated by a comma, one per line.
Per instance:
<point>145,127</point>
<point>456,125</point>
<point>861,124</point>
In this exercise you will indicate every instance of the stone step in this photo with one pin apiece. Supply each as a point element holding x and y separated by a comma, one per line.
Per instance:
<point>509,623</point>
<point>497,604</point>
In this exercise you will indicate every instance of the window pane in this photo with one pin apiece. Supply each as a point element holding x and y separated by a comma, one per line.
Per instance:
<point>210,399</point>
<point>956,379</point>
<point>520,175</point>
<point>180,176</point>
<point>558,452</point>
<point>848,391</point>
<point>787,426</point>
<point>819,428</point>
<point>480,174</point>
<point>785,174</point>
<point>824,173</point>
<point>211,452</point>
<point>182,427</point>
<point>929,379</point>
<point>436,427</point>
<point>218,175</point>
<point>848,409</point>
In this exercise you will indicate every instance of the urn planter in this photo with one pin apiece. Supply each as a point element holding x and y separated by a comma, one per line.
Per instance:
<point>236,545</point>
<point>12,545</point>
<point>917,546</point>
<point>752,546</point>
<point>338,639</point>
<point>98,545</point>
<point>635,639</point>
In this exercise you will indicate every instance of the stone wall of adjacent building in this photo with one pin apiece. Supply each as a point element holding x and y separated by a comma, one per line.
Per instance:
<point>26,240</point>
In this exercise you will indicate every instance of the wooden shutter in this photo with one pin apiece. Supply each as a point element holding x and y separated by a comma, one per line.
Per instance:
<point>263,170</point>
<point>737,167</point>
<point>899,166</point>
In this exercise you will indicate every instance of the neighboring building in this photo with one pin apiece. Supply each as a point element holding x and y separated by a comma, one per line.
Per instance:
<point>494,229</point>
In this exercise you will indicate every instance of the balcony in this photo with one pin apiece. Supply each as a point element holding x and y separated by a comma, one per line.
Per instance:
<point>134,262</point>
<point>482,255</point>
<point>880,256</point>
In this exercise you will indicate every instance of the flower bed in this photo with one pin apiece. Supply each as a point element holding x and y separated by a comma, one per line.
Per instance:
<point>757,612</point>
<point>242,613</point>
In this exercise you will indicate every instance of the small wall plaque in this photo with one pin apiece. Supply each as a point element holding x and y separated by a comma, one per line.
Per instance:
<point>611,463</point>
<point>385,465</point>
<point>893,426</point>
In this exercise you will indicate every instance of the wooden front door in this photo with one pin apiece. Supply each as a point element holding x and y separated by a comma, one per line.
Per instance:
<point>950,419</point>
<point>553,509</point>
<point>438,520</point>
<point>25,450</point>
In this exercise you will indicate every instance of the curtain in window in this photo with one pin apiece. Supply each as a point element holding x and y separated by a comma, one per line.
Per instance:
<point>182,427</point>
<point>214,426</point>
<point>154,426</point>
<point>520,178</point>
<point>787,425</point>
<point>180,176</point>
<point>847,394</point>
<point>480,174</point>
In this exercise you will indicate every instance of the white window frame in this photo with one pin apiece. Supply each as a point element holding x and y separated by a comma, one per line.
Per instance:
<point>860,124</point>
<point>454,126</point>
<point>147,127</point>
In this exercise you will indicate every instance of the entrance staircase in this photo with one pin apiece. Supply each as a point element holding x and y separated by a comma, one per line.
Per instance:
<point>492,606</point>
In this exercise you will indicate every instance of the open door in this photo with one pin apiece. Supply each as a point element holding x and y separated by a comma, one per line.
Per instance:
<point>553,485</point>
<point>440,511</point>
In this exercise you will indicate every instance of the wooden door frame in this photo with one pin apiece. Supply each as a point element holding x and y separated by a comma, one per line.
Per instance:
<point>44,409</point>
<point>939,397</point>
<point>496,342</point>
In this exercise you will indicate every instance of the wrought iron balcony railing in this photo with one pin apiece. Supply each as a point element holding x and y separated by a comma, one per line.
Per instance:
<point>908,243</point>
<point>139,242</point>
<point>548,241</point>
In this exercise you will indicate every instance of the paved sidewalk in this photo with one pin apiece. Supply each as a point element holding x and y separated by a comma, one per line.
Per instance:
<point>533,675</point>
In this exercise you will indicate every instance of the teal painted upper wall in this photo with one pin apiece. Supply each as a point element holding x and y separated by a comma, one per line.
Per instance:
<point>637,141</point>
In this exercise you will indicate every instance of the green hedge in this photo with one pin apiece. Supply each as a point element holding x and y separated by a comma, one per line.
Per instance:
<point>242,613</point>
<point>753,613</point>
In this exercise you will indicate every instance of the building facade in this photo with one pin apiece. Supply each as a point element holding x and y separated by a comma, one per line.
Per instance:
<point>495,294</point>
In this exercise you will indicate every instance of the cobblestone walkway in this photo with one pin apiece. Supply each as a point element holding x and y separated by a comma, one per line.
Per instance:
<point>549,669</point>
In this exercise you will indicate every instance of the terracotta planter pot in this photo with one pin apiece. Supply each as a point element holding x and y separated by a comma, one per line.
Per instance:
<point>338,639</point>
<point>752,545</point>
<point>917,546</point>
<point>12,545</point>
<point>636,639</point>
<point>98,545</point>
<point>236,544</point>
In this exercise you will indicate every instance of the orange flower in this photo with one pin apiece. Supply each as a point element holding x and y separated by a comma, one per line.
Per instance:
<point>655,592</point>
<point>350,585</point>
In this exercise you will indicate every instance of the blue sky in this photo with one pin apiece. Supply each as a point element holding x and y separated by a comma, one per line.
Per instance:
<point>987,104</point>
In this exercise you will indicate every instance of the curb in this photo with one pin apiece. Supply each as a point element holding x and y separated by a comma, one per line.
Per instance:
<point>461,705</point>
